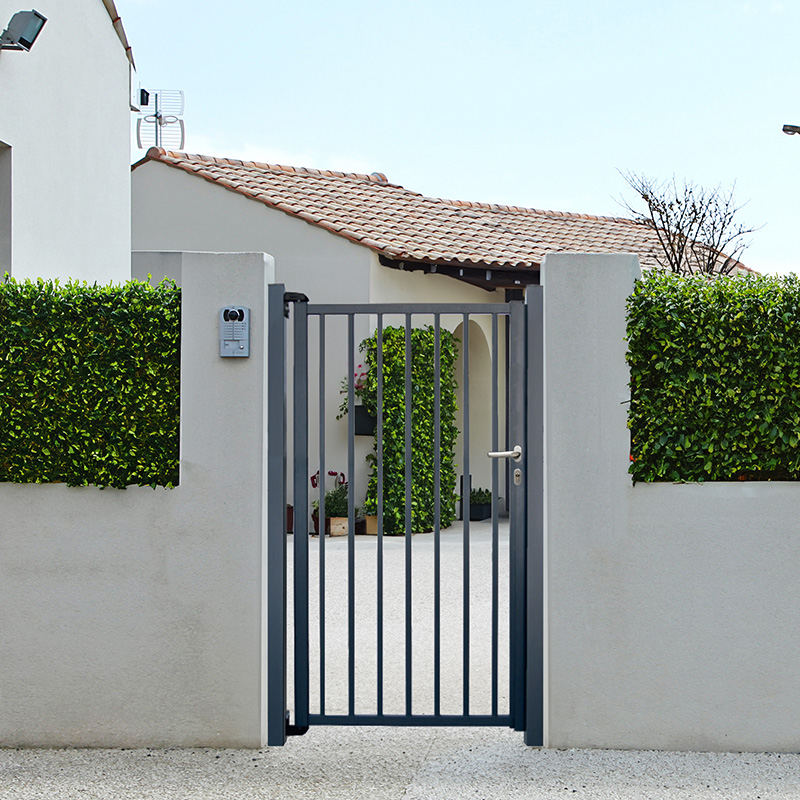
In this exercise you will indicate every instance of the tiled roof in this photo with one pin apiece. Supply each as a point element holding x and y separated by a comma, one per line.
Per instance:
<point>405,225</point>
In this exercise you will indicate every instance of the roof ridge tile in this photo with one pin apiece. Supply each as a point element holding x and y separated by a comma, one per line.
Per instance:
<point>159,153</point>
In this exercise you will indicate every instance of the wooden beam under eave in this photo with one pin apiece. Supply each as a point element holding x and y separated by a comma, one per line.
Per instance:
<point>488,277</point>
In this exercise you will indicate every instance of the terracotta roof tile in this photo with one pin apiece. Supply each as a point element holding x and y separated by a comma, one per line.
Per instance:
<point>402,224</point>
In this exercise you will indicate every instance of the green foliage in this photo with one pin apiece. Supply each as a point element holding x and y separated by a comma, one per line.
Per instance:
<point>89,383</point>
<point>335,503</point>
<point>715,378</point>
<point>480,497</point>
<point>422,427</point>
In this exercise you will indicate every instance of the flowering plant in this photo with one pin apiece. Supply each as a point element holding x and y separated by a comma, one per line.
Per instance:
<point>360,377</point>
<point>339,478</point>
<point>335,499</point>
<point>360,384</point>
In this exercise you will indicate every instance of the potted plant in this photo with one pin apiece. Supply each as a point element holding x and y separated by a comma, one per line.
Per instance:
<point>365,421</point>
<point>336,507</point>
<point>480,504</point>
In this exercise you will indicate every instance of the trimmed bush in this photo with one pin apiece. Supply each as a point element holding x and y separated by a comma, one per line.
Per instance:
<point>89,383</point>
<point>480,497</point>
<point>422,427</point>
<point>715,378</point>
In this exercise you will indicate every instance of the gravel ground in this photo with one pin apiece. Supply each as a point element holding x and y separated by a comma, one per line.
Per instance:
<point>379,763</point>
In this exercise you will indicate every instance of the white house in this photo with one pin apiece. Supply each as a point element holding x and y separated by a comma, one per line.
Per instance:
<point>65,145</point>
<point>392,243</point>
<point>351,238</point>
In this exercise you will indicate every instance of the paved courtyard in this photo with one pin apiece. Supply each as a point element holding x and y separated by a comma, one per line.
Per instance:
<point>381,764</point>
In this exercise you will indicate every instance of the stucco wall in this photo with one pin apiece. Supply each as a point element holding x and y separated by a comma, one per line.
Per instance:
<point>172,211</point>
<point>66,119</point>
<point>136,617</point>
<point>673,610</point>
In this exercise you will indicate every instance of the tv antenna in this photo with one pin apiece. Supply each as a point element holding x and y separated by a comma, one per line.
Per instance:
<point>160,122</point>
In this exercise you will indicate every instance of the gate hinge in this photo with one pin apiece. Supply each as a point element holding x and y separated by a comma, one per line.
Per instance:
<point>292,297</point>
<point>295,730</point>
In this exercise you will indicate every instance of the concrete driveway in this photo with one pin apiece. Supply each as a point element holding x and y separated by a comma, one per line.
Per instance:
<point>383,764</point>
<point>394,633</point>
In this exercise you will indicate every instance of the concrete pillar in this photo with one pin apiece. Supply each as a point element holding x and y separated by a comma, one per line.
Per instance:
<point>137,618</point>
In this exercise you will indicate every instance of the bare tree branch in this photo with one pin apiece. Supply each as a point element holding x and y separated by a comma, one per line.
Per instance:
<point>696,227</point>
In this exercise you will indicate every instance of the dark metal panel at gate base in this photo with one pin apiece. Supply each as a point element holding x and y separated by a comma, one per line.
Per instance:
<point>513,608</point>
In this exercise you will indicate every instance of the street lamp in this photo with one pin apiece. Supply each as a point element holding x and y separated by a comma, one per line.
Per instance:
<point>22,31</point>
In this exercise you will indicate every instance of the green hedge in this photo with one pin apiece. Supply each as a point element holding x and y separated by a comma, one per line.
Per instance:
<point>89,383</point>
<point>422,427</point>
<point>715,378</point>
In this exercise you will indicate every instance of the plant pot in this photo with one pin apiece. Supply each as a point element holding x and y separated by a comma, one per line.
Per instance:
<point>315,520</point>
<point>479,511</point>
<point>336,526</point>
<point>364,422</point>
<point>289,518</point>
<point>371,527</point>
<point>361,526</point>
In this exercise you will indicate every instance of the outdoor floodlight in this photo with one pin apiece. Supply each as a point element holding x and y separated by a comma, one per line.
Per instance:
<point>22,31</point>
<point>791,129</point>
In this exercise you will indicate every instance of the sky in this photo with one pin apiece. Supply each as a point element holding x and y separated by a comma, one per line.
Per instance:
<point>533,103</point>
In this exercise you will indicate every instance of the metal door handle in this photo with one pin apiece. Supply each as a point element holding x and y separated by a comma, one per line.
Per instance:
<point>516,453</point>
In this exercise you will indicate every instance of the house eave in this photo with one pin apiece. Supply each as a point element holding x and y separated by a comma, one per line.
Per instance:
<point>485,276</point>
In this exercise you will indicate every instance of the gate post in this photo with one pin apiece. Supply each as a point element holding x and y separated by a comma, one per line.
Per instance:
<point>276,517</point>
<point>534,566</point>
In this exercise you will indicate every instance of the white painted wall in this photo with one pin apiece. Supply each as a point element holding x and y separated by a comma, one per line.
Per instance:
<point>66,119</point>
<point>173,211</point>
<point>136,618</point>
<point>673,610</point>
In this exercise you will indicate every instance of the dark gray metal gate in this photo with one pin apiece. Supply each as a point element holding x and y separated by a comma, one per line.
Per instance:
<point>518,327</point>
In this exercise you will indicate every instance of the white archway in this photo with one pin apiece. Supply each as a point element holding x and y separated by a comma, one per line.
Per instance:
<point>480,405</point>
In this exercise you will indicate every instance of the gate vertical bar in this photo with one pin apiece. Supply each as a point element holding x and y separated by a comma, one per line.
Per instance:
<point>534,691</point>
<point>516,492</point>
<point>379,434</point>
<point>301,670</point>
<point>495,514</point>
<point>321,513</point>
<point>276,520</point>
<point>437,517</point>
<point>408,519</point>
<point>465,509</point>
<point>351,522</point>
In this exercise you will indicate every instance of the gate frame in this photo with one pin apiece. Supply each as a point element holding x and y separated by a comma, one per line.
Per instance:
<point>527,668</point>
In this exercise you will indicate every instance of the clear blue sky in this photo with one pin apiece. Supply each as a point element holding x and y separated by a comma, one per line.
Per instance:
<point>535,103</point>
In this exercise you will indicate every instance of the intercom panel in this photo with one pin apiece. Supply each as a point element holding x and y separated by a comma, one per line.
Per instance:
<point>234,332</point>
